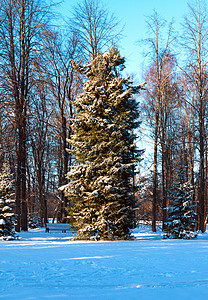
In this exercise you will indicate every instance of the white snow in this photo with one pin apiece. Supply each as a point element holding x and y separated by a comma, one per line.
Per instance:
<point>49,266</point>
<point>2,222</point>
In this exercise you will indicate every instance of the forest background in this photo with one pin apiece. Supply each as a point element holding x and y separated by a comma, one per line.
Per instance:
<point>38,86</point>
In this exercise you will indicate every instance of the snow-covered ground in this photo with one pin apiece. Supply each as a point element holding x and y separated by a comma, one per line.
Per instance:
<point>49,266</point>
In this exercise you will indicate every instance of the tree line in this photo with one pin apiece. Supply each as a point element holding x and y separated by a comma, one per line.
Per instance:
<point>175,105</point>
<point>39,86</point>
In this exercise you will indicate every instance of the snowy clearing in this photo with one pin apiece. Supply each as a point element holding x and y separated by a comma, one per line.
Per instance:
<point>49,266</point>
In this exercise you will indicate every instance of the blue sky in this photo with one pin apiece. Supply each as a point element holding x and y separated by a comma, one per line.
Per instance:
<point>132,13</point>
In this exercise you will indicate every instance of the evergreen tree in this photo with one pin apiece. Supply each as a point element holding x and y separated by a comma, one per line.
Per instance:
<point>100,188</point>
<point>181,213</point>
<point>34,221</point>
<point>7,216</point>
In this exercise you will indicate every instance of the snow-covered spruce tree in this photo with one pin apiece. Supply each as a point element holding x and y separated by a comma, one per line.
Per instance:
<point>34,221</point>
<point>181,213</point>
<point>7,216</point>
<point>100,187</point>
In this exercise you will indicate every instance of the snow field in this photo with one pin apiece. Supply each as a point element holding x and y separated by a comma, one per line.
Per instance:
<point>49,266</point>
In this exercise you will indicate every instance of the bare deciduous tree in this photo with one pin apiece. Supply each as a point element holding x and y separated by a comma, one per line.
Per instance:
<point>159,54</point>
<point>195,39</point>
<point>22,22</point>
<point>94,27</point>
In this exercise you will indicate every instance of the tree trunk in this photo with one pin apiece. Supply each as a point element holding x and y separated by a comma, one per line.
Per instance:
<point>201,178</point>
<point>164,189</point>
<point>65,162</point>
<point>154,203</point>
